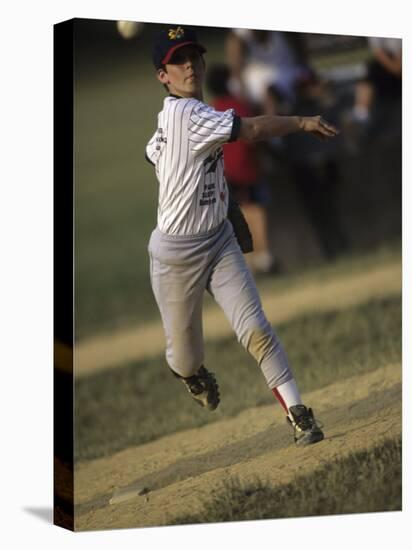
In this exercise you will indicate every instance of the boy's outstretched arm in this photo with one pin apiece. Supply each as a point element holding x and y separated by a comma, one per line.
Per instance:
<point>265,127</point>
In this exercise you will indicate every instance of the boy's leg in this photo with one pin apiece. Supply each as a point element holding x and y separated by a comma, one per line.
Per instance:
<point>181,310</point>
<point>180,307</point>
<point>232,286</point>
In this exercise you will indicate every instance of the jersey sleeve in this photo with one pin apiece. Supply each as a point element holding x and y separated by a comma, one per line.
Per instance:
<point>208,128</point>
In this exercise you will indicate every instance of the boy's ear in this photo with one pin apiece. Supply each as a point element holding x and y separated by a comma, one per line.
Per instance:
<point>162,76</point>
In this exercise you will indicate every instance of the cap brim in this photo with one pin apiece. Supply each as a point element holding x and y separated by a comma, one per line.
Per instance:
<point>172,50</point>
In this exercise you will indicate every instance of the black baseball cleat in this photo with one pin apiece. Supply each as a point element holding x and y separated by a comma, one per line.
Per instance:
<point>203,388</point>
<point>306,429</point>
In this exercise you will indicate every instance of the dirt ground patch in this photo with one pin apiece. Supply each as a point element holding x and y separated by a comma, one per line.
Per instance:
<point>175,473</point>
<point>116,348</point>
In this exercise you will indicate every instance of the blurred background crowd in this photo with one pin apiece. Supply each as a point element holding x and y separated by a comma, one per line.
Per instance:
<point>306,201</point>
<point>269,72</point>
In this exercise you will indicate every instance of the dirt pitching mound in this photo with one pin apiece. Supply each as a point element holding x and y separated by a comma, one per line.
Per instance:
<point>151,484</point>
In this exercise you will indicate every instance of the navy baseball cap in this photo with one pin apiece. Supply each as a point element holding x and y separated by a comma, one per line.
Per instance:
<point>170,39</point>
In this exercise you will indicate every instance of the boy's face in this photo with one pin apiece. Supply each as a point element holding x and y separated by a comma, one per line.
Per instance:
<point>184,74</point>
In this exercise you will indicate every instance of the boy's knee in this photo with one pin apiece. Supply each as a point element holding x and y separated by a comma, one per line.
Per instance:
<point>260,343</point>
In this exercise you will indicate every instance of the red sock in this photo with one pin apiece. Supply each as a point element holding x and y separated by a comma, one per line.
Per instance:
<point>287,394</point>
<point>280,399</point>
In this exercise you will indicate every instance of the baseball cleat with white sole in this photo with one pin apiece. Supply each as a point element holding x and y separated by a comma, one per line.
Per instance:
<point>306,430</point>
<point>203,388</point>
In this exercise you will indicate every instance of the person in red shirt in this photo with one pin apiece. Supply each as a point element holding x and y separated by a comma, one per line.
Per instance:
<point>242,171</point>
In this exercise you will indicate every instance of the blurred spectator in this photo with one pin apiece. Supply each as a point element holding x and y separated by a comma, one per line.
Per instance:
<point>385,71</point>
<point>272,70</point>
<point>315,169</point>
<point>242,172</point>
<point>262,61</point>
<point>382,84</point>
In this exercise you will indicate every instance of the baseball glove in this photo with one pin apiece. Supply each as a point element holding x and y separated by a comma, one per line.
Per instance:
<point>240,226</point>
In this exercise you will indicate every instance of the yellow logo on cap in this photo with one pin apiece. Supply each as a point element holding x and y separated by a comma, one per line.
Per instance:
<point>175,34</point>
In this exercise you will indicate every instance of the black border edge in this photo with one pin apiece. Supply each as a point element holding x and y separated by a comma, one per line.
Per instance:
<point>63,398</point>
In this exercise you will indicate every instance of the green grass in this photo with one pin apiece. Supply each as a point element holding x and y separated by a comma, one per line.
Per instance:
<point>365,481</point>
<point>140,402</point>
<point>115,204</point>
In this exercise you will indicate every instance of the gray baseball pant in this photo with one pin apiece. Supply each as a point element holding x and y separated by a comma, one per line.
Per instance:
<point>181,269</point>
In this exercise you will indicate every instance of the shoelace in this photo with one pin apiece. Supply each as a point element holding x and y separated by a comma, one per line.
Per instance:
<point>306,423</point>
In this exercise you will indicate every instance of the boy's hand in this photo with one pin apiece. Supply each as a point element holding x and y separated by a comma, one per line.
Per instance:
<point>318,127</point>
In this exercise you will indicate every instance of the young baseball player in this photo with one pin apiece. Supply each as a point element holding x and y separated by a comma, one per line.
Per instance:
<point>200,235</point>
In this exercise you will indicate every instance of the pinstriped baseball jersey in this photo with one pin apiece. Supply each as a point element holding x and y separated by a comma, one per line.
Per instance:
<point>187,153</point>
